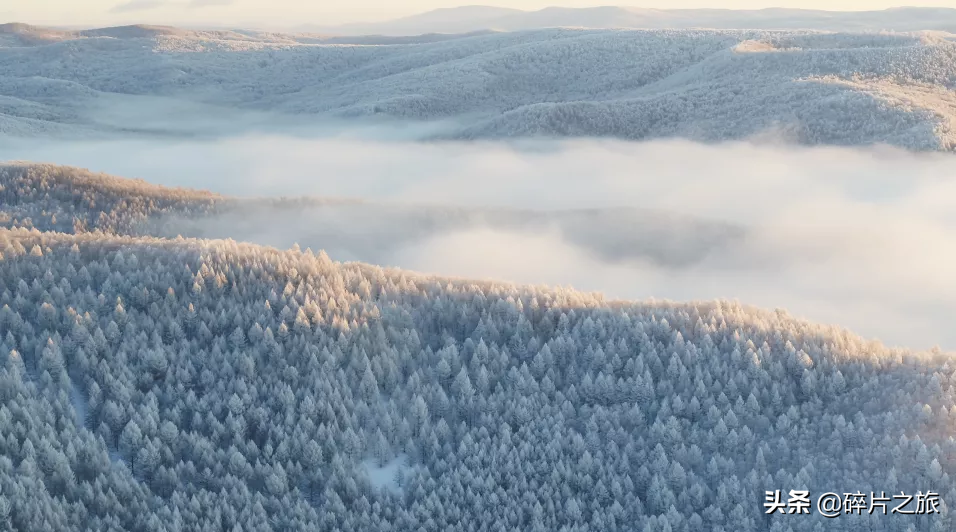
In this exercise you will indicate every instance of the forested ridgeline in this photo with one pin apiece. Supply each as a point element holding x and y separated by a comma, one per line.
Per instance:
<point>72,200</point>
<point>180,384</point>
<point>807,87</point>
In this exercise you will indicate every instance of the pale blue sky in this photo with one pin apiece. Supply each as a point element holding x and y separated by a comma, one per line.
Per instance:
<point>330,12</point>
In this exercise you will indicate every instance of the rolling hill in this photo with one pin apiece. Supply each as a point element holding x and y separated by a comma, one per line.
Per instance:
<point>190,384</point>
<point>706,85</point>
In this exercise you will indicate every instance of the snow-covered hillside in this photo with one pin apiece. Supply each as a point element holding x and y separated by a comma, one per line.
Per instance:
<point>814,88</point>
<point>58,198</point>
<point>834,249</point>
<point>185,384</point>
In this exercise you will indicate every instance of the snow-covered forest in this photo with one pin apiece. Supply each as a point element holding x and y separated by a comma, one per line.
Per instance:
<point>176,359</point>
<point>708,85</point>
<point>186,384</point>
<point>65,199</point>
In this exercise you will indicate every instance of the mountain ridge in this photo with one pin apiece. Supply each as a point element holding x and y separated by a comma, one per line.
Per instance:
<point>457,20</point>
<point>704,85</point>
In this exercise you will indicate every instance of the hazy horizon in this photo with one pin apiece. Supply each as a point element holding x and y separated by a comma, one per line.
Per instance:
<point>278,14</point>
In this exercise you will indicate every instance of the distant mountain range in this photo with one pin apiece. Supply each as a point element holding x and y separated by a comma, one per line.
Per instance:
<point>704,85</point>
<point>477,18</point>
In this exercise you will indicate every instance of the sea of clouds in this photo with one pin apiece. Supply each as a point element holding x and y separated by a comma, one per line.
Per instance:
<point>863,238</point>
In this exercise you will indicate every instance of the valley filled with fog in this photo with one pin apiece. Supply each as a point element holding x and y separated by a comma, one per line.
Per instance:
<point>544,279</point>
<point>676,164</point>
<point>860,238</point>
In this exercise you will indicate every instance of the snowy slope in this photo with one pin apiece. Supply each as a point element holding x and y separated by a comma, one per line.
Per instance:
<point>816,88</point>
<point>215,384</point>
<point>827,234</point>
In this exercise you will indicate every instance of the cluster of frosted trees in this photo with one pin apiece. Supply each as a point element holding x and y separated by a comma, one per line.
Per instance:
<point>154,384</point>
<point>69,200</point>
<point>633,84</point>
